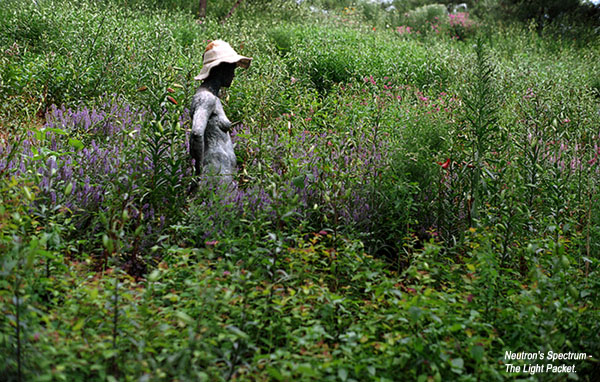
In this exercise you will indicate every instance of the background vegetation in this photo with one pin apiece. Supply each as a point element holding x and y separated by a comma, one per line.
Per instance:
<point>418,192</point>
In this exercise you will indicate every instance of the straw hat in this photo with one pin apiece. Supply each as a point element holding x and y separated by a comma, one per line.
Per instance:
<point>218,52</point>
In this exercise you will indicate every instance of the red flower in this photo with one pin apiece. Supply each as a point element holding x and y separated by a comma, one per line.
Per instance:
<point>172,100</point>
<point>445,164</point>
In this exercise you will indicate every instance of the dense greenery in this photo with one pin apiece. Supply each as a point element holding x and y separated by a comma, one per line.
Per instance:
<point>417,194</point>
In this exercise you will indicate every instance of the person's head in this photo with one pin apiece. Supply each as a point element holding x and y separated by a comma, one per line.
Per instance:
<point>220,60</point>
<point>224,72</point>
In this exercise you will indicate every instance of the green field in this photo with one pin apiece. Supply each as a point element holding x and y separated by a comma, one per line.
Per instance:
<point>417,197</point>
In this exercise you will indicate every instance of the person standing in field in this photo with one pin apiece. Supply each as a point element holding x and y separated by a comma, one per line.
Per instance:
<point>210,142</point>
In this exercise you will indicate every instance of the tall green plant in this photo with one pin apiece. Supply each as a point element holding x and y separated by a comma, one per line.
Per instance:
<point>20,250</point>
<point>481,105</point>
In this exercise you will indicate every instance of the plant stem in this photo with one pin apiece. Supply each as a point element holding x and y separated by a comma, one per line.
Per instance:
<point>18,329</point>
<point>115,322</point>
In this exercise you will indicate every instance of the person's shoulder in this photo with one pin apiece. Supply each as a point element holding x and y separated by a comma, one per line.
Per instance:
<point>203,98</point>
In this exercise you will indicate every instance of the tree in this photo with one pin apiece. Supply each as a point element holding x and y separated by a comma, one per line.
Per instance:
<point>542,11</point>
<point>202,10</point>
<point>237,3</point>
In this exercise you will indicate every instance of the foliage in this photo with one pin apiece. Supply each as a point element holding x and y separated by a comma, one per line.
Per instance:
<point>539,10</point>
<point>408,206</point>
<point>419,18</point>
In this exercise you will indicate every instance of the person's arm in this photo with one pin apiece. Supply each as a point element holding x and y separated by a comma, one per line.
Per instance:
<point>203,106</point>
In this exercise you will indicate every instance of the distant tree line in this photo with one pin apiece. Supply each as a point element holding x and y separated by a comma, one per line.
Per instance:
<point>542,12</point>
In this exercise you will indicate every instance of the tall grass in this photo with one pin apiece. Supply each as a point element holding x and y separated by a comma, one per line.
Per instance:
<point>407,206</point>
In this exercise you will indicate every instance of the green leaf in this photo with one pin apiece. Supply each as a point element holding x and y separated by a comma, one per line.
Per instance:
<point>30,259</point>
<point>184,317</point>
<point>573,291</point>
<point>109,353</point>
<point>79,325</point>
<point>343,374</point>
<point>457,365</point>
<point>237,331</point>
<point>298,181</point>
<point>54,130</point>
<point>307,370</point>
<point>107,242</point>
<point>274,373</point>
<point>68,188</point>
<point>76,143</point>
<point>477,352</point>
<point>415,313</point>
<point>154,275</point>
<point>371,370</point>
<point>28,193</point>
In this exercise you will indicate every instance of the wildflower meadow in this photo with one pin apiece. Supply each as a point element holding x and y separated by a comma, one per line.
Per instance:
<point>417,195</point>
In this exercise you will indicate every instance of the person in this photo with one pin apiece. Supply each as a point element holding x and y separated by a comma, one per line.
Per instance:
<point>210,142</point>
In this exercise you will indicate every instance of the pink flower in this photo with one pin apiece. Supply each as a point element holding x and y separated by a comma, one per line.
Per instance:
<point>212,243</point>
<point>529,94</point>
<point>403,30</point>
<point>460,19</point>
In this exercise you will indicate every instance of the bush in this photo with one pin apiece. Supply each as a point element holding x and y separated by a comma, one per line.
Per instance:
<point>413,220</point>
<point>460,25</point>
<point>426,18</point>
<point>114,165</point>
<point>283,38</point>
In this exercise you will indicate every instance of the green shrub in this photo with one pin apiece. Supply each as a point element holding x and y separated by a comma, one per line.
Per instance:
<point>424,17</point>
<point>347,248</point>
<point>283,39</point>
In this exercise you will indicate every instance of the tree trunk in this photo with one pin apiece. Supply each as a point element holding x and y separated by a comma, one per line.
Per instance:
<point>202,11</point>
<point>237,3</point>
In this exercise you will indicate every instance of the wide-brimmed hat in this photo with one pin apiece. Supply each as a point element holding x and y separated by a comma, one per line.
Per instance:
<point>218,52</point>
